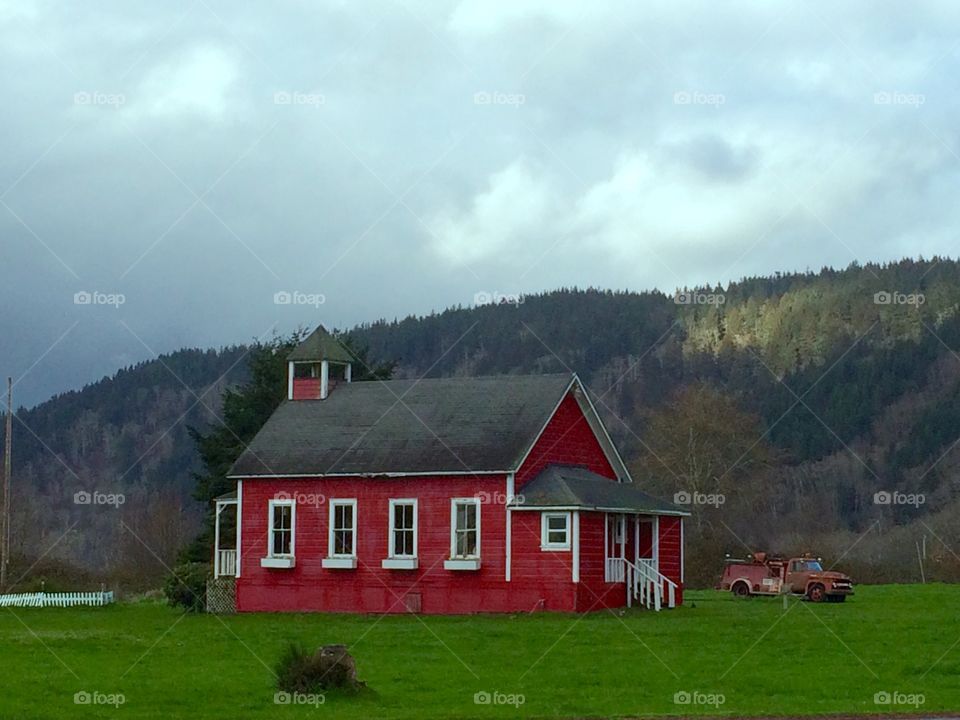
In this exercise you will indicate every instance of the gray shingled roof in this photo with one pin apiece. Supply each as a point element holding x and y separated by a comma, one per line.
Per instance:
<point>320,345</point>
<point>441,425</point>
<point>573,486</point>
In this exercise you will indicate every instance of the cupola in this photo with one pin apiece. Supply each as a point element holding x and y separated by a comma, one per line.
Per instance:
<point>316,366</point>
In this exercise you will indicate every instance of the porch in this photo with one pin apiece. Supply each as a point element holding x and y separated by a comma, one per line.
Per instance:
<point>221,587</point>
<point>226,531</point>
<point>632,557</point>
<point>642,535</point>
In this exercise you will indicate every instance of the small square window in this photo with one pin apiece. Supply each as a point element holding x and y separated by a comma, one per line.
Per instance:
<point>555,531</point>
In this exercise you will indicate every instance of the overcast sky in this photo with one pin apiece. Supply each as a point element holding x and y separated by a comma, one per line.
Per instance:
<point>183,162</point>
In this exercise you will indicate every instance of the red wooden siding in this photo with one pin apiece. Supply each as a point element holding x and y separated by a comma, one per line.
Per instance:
<point>670,550</point>
<point>370,588</point>
<point>567,439</point>
<point>548,573</point>
<point>306,388</point>
<point>593,593</point>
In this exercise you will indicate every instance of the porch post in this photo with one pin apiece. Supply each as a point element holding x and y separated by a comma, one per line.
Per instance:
<point>681,550</point>
<point>324,379</point>
<point>606,547</point>
<point>216,541</point>
<point>656,543</point>
<point>239,518</point>
<point>576,546</point>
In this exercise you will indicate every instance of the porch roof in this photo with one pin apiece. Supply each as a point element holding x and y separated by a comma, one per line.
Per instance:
<point>227,497</point>
<point>570,486</point>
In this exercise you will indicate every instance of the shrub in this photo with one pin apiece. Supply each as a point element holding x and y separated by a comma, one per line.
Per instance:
<point>302,671</point>
<point>187,586</point>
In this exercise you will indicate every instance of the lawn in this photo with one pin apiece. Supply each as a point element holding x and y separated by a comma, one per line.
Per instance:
<point>726,657</point>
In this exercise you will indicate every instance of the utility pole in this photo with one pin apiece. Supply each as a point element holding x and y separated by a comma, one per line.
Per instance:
<point>7,445</point>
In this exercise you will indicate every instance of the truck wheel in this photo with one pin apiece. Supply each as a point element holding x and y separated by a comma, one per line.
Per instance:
<point>740,590</point>
<point>817,593</point>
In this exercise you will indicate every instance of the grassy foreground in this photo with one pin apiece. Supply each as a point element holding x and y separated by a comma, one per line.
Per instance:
<point>725,657</point>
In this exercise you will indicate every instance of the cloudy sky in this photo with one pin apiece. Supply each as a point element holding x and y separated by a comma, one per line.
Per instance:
<point>167,168</point>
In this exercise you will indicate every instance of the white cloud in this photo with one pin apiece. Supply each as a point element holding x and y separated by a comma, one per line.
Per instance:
<point>200,81</point>
<point>512,212</point>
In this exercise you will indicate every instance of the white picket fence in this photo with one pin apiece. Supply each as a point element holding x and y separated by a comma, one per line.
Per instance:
<point>56,599</point>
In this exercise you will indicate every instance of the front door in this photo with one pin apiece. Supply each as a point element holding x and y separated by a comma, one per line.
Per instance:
<point>646,547</point>
<point>616,549</point>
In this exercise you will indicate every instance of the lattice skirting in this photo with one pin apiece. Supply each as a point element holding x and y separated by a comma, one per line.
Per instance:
<point>222,595</point>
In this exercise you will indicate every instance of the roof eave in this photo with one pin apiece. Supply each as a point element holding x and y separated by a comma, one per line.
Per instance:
<point>600,508</point>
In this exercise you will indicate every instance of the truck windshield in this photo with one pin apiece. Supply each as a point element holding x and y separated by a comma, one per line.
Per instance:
<point>812,566</point>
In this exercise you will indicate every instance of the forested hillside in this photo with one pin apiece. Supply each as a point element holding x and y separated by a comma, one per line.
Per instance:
<point>796,398</point>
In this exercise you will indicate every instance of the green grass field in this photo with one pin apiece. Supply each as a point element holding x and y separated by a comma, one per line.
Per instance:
<point>762,660</point>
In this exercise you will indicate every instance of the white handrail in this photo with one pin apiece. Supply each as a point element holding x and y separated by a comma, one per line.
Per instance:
<point>648,585</point>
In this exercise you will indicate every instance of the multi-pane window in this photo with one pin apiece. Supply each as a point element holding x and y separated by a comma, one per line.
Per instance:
<point>555,531</point>
<point>343,528</point>
<point>465,540</point>
<point>281,528</point>
<point>403,528</point>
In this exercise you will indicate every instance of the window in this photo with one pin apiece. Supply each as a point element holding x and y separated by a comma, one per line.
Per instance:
<point>465,528</point>
<point>555,531</point>
<point>281,528</point>
<point>403,528</point>
<point>620,529</point>
<point>306,370</point>
<point>343,528</point>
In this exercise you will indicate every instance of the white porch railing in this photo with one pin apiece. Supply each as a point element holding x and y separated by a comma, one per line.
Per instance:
<point>226,564</point>
<point>647,586</point>
<point>615,570</point>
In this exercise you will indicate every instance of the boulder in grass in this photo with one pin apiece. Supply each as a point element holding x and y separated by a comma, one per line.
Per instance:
<point>338,666</point>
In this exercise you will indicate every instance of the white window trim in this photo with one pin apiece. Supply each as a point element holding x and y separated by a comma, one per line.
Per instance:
<point>545,543</point>
<point>334,504</point>
<point>391,554</point>
<point>273,560</point>
<point>463,563</point>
